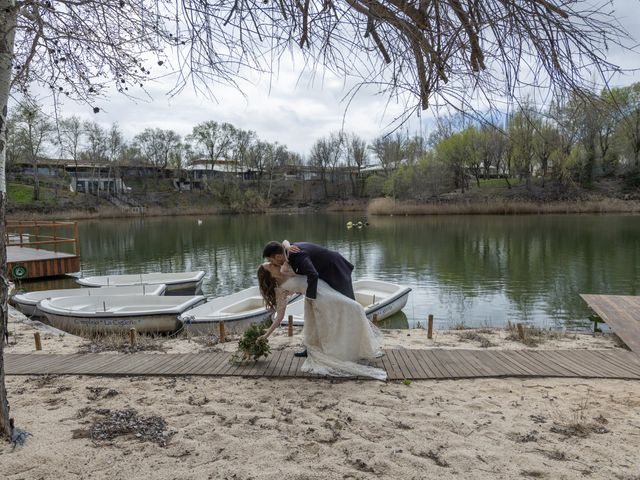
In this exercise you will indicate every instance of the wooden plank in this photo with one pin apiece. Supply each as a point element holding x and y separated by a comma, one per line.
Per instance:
<point>595,365</point>
<point>404,369</point>
<point>435,363</point>
<point>273,364</point>
<point>500,365</point>
<point>162,364</point>
<point>394,373</point>
<point>225,366</point>
<point>579,361</point>
<point>619,358</point>
<point>294,368</point>
<point>285,361</point>
<point>155,364</point>
<point>213,359</point>
<point>83,365</point>
<point>429,369</point>
<point>199,367</point>
<point>193,361</point>
<point>386,365</point>
<point>471,358</point>
<point>621,313</point>
<point>569,368</point>
<point>27,361</point>
<point>470,365</point>
<point>521,362</point>
<point>419,372</point>
<point>483,357</point>
<point>542,367</point>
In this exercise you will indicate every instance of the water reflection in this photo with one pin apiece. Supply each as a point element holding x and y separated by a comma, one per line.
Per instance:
<point>476,270</point>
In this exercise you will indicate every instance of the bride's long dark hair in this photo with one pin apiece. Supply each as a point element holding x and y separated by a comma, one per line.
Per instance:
<point>268,286</point>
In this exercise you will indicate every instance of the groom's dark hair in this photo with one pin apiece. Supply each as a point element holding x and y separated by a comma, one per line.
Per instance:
<point>271,249</point>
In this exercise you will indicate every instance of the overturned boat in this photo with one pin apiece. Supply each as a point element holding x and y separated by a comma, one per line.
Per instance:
<point>27,302</point>
<point>379,299</point>
<point>181,283</point>
<point>117,313</point>
<point>237,311</point>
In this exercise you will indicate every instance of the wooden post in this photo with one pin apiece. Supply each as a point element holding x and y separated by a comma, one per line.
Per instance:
<point>132,337</point>
<point>430,327</point>
<point>36,337</point>
<point>520,331</point>
<point>222,335</point>
<point>375,318</point>
<point>55,237</point>
<point>77,238</point>
<point>290,332</point>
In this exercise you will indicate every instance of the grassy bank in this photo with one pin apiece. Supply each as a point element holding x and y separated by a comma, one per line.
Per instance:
<point>501,206</point>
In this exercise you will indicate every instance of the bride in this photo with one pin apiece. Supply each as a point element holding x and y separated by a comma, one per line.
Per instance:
<point>336,330</point>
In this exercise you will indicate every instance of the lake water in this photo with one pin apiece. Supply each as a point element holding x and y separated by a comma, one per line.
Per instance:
<point>471,270</point>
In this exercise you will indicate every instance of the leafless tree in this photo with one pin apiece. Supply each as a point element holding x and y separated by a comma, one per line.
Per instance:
<point>70,133</point>
<point>357,157</point>
<point>438,52</point>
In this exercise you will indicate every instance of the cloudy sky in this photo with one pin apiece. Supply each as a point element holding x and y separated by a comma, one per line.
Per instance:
<point>290,109</point>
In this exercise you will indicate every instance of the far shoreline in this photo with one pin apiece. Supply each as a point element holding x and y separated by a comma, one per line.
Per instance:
<point>373,207</point>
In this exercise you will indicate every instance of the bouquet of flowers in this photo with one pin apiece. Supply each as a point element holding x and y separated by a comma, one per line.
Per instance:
<point>249,346</point>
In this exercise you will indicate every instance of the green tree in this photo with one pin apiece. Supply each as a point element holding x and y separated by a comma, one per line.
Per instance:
<point>628,130</point>
<point>32,131</point>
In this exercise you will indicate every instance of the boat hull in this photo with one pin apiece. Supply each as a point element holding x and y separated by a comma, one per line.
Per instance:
<point>177,284</point>
<point>100,325</point>
<point>117,313</point>
<point>27,303</point>
<point>27,309</point>
<point>232,325</point>
<point>238,311</point>
<point>386,309</point>
<point>376,307</point>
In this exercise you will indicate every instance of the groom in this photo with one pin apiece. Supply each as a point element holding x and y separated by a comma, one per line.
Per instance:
<point>314,262</point>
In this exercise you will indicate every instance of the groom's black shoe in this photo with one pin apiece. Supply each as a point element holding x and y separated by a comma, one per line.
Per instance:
<point>303,353</point>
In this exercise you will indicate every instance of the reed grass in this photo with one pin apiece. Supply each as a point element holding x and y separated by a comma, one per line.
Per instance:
<point>119,342</point>
<point>388,206</point>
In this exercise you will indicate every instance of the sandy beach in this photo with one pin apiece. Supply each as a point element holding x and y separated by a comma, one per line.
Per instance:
<point>238,428</point>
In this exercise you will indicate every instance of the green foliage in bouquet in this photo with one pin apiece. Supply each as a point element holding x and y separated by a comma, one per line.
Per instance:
<point>249,346</point>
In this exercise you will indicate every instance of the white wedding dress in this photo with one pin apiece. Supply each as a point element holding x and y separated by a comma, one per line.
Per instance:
<point>336,332</point>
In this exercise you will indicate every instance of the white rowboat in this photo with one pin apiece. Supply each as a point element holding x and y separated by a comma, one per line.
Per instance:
<point>27,302</point>
<point>107,314</point>
<point>378,298</point>
<point>182,283</point>
<point>238,311</point>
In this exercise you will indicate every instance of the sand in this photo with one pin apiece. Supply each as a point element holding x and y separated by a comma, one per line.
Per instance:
<point>235,428</point>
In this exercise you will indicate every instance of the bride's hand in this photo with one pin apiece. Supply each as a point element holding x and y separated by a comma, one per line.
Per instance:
<point>290,248</point>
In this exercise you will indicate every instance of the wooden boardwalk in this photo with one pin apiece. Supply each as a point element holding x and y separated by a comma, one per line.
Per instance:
<point>399,363</point>
<point>621,313</point>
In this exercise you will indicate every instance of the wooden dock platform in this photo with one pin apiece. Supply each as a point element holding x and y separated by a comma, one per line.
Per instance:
<point>36,249</point>
<point>621,313</point>
<point>400,364</point>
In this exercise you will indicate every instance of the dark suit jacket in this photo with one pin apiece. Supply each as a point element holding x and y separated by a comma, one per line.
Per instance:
<point>316,262</point>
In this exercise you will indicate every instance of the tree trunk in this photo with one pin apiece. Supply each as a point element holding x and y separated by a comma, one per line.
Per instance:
<point>7,33</point>
<point>5,421</point>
